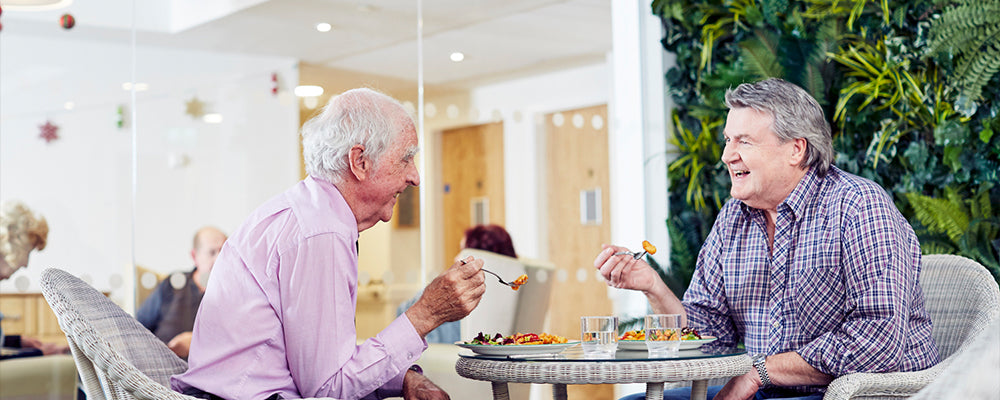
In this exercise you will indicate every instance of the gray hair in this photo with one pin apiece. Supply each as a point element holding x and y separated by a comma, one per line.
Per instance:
<point>357,116</point>
<point>796,115</point>
<point>21,231</point>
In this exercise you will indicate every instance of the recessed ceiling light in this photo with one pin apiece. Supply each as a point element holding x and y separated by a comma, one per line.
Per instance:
<point>139,87</point>
<point>308,90</point>
<point>212,118</point>
<point>323,27</point>
<point>457,56</point>
<point>69,105</point>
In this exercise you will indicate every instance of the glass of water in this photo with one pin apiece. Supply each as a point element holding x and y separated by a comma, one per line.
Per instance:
<point>599,336</point>
<point>663,333</point>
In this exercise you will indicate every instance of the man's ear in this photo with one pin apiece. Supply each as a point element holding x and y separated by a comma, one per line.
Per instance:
<point>799,146</point>
<point>359,162</point>
<point>194,254</point>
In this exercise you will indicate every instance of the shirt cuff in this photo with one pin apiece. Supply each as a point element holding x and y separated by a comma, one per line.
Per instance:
<point>406,346</point>
<point>825,354</point>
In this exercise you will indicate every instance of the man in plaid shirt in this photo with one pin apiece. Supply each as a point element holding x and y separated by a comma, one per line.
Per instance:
<point>813,269</point>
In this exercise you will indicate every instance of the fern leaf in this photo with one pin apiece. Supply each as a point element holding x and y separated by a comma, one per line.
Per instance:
<point>939,215</point>
<point>761,54</point>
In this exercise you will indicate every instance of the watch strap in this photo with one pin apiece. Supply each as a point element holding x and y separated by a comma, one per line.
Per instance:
<point>759,362</point>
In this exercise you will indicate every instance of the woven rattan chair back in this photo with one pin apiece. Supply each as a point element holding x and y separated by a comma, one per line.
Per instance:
<point>961,297</point>
<point>116,357</point>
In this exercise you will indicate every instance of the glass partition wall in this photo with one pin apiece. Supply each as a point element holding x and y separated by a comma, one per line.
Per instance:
<point>145,122</point>
<point>66,140</point>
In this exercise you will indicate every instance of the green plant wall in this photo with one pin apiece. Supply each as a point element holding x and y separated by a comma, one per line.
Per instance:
<point>910,88</point>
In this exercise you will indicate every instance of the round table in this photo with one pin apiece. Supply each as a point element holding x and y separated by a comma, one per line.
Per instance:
<point>571,367</point>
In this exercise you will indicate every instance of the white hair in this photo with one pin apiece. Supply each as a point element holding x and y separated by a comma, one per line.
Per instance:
<point>357,116</point>
<point>21,231</point>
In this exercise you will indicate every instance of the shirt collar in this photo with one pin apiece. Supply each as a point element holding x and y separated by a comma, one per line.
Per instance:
<point>804,194</point>
<point>333,202</point>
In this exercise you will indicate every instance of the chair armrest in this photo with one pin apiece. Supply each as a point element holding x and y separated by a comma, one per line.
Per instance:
<point>902,384</point>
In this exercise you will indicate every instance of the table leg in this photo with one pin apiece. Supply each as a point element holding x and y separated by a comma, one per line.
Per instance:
<point>559,391</point>
<point>500,391</point>
<point>699,390</point>
<point>654,390</point>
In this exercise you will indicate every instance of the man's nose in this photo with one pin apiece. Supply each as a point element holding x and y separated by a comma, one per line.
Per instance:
<point>413,176</point>
<point>728,153</point>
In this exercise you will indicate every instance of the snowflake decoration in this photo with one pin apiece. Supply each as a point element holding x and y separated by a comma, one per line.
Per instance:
<point>50,132</point>
<point>195,108</point>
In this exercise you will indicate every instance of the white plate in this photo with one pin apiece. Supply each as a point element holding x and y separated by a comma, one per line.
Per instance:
<point>640,345</point>
<point>515,350</point>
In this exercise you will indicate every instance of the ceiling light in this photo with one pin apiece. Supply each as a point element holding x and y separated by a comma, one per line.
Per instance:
<point>308,90</point>
<point>457,56</point>
<point>69,105</point>
<point>35,5</point>
<point>139,87</point>
<point>323,27</point>
<point>212,118</point>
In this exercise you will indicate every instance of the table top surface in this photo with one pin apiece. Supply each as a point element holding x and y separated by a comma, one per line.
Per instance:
<point>572,367</point>
<point>575,354</point>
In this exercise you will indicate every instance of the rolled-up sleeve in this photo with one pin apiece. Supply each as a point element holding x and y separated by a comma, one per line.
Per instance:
<point>880,279</point>
<point>705,301</point>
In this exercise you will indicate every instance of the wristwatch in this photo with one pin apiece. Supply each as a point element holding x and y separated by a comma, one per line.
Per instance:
<point>759,363</point>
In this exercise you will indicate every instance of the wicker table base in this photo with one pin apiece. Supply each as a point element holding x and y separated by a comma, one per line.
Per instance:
<point>559,373</point>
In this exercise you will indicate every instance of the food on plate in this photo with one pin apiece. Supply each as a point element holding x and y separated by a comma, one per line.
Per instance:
<point>518,339</point>
<point>648,247</point>
<point>519,281</point>
<point>638,334</point>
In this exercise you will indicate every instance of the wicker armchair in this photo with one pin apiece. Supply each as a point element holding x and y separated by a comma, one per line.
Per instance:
<point>116,357</point>
<point>962,299</point>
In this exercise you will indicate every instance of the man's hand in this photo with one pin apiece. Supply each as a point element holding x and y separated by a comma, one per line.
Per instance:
<point>449,297</point>
<point>624,271</point>
<point>417,386</point>
<point>180,344</point>
<point>46,348</point>
<point>740,388</point>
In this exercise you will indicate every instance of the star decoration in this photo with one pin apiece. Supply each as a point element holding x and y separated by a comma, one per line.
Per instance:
<point>195,108</point>
<point>50,132</point>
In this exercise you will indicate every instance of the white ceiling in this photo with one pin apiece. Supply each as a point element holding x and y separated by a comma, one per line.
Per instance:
<point>501,39</point>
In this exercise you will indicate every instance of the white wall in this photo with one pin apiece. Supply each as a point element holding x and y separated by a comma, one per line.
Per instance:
<point>82,182</point>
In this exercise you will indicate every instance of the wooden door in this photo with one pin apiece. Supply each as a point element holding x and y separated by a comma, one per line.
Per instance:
<point>577,148</point>
<point>472,173</point>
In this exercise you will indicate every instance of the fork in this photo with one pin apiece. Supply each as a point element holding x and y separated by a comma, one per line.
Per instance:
<point>513,285</point>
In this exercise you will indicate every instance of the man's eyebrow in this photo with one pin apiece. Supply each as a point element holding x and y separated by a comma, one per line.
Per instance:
<point>412,152</point>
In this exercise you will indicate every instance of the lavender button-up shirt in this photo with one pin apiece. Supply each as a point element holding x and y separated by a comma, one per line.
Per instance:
<point>278,315</point>
<point>840,286</point>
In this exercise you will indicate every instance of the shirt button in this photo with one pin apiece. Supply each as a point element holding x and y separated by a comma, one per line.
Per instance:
<point>409,355</point>
<point>775,324</point>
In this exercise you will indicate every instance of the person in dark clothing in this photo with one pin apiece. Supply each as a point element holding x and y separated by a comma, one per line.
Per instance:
<point>170,310</point>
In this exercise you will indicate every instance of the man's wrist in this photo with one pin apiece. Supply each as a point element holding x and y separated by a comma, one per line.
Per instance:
<point>760,364</point>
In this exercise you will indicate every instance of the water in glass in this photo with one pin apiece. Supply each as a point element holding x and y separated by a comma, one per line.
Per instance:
<point>599,336</point>
<point>663,333</point>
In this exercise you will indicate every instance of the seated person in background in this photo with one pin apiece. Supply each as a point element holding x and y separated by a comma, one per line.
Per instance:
<point>813,269</point>
<point>170,310</point>
<point>492,238</point>
<point>21,232</point>
<point>278,319</point>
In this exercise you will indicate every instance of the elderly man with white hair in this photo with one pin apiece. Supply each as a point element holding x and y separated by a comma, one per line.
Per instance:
<point>277,320</point>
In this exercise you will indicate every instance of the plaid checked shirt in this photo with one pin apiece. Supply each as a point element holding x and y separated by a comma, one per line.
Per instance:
<point>840,286</point>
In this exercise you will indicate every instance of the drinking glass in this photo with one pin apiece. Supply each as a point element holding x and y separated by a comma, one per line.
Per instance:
<point>599,336</point>
<point>663,333</point>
